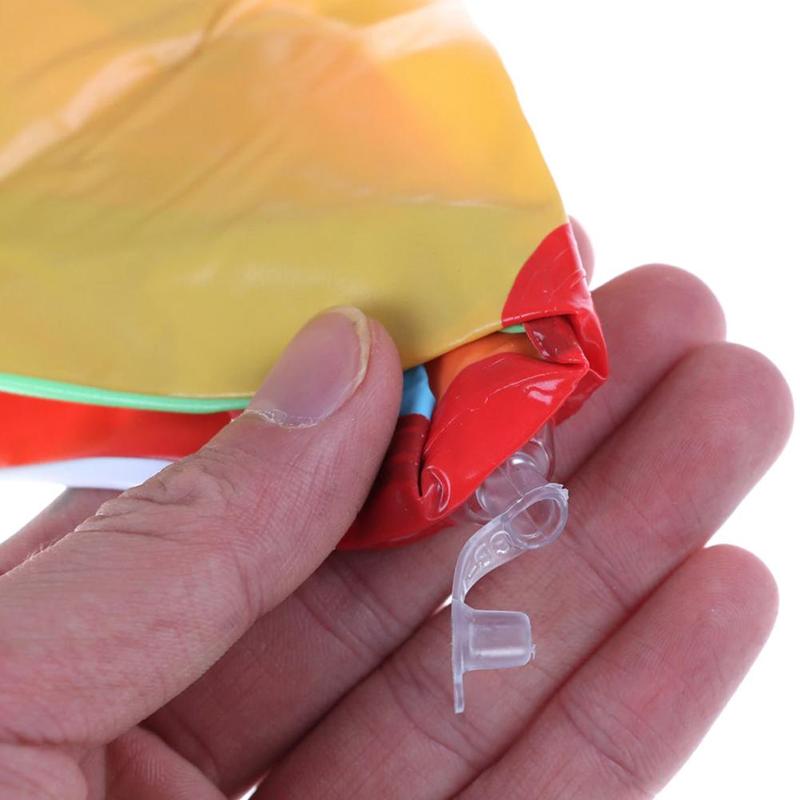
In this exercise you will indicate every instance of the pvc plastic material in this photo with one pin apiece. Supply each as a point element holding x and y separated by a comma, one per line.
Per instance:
<point>183,185</point>
<point>531,518</point>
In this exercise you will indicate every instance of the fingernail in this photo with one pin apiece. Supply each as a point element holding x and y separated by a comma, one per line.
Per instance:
<point>317,372</point>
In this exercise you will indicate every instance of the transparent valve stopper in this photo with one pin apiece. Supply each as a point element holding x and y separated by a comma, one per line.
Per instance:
<point>524,512</point>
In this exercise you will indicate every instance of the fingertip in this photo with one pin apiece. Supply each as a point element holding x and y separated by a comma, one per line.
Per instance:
<point>772,395</point>
<point>752,396</point>
<point>671,297</point>
<point>731,582</point>
<point>584,247</point>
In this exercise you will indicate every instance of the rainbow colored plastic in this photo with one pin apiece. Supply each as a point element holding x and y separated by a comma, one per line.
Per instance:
<point>183,185</point>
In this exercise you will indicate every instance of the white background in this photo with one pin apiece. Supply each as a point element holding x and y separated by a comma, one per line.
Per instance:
<point>672,130</point>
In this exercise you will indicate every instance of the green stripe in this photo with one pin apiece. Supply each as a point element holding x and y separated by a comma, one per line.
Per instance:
<point>91,395</point>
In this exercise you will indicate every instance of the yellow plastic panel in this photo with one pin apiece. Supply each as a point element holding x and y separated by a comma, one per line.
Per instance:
<point>183,184</point>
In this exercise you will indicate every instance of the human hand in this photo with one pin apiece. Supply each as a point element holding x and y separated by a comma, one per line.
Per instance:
<point>197,632</point>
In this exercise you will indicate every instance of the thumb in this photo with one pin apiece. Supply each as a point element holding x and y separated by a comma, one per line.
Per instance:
<point>138,601</point>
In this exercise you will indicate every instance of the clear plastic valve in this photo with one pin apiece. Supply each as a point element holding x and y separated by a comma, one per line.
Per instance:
<point>524,512</point>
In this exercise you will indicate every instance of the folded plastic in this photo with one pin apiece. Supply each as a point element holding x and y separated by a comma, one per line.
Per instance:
<point>183,185</point>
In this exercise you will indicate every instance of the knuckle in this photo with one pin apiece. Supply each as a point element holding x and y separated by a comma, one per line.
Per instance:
<point>748,378</point>
<point>209,479</point>
<point>611,738</point>
<point>351,612</point>
<point>600,574</point>
<point>742,409</point>
<point>205,486</point>
<point>670,292</point>
<point>422,698</point>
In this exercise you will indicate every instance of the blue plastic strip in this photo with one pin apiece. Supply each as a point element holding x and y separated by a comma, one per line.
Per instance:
<point>417,395</point>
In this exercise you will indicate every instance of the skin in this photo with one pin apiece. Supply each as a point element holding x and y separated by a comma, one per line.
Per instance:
<point>200,635</point>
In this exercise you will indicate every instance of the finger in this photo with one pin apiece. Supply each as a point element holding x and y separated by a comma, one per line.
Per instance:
<point>68,510</point>
<point>31,773</point>
<point>626,721</point>
<point>121,614</point>
<point>648,498</point>
<point>584,247</point>
<point>359,606</point>
<point>139,765</point>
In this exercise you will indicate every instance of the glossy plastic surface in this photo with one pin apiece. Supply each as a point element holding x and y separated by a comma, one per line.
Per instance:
<point>489,407</point>
<point>183,185</point>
